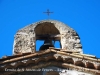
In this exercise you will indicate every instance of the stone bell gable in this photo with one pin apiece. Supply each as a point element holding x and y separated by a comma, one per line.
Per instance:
<point>25,38</point>
<point>66,60</point>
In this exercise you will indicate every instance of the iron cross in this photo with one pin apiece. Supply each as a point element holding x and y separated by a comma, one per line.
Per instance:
<point>48,12</point>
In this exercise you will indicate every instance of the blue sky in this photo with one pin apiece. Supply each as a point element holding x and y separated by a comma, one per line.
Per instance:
<point>81,15</point>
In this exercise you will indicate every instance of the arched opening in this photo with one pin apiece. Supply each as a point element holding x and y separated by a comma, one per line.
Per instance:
<point>90,65</point>
<point>46,28</point>
<point>80,63</point>
<point>44,32</point>
<point>69,60</point>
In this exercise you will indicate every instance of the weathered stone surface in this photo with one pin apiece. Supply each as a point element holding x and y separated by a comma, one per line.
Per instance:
<point>25,38</point>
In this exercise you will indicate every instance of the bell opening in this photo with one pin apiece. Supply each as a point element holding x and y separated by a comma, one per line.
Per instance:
<point>46,34</point>
<point>43,44</point>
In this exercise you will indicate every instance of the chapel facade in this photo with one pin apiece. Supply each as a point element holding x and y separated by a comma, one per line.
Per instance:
<point>69,59</point>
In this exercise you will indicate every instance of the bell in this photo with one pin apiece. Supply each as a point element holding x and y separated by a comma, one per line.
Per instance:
<point>47,44</point>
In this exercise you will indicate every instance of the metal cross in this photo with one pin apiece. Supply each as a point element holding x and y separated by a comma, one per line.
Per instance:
<point>48,12</point>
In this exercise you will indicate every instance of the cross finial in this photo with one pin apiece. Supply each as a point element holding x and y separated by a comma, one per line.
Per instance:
<point>48,12</point>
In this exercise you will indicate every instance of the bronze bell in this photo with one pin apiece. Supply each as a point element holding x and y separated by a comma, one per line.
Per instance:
<point>47,43</point>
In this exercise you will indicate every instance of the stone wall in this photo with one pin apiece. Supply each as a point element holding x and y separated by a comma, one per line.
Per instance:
<point>25,38</point>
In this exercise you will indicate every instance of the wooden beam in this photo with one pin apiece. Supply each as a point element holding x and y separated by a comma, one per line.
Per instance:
<point>53,37</point>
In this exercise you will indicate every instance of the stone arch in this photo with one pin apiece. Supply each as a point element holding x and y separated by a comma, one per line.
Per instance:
<point>80,63</point>
<point>25,38</point>
<point>46,28</point>
<point>90,65</point>
<point>69,61</point>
